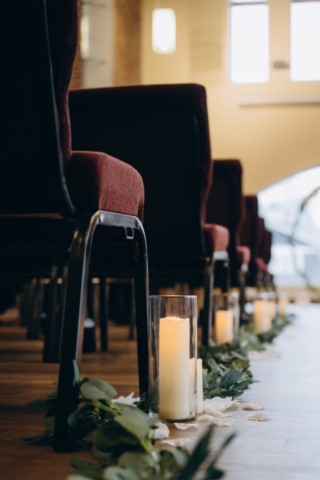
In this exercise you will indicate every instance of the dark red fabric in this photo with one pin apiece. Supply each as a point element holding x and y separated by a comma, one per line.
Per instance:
<point>216,237</point>
<point>97,181</point>
<point>261,266</point>
<point>266,245</point>
<point>244,255</point>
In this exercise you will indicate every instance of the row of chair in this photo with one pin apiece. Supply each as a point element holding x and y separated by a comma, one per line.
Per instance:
<point>70,209</point>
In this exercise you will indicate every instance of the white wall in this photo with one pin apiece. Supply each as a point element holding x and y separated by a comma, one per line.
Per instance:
<point>272,142</point>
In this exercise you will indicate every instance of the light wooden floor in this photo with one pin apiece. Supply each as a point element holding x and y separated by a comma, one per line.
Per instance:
<point>284,448</point>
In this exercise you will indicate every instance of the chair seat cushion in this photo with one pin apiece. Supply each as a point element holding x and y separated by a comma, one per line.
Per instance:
<point>243,255</point>
<point>97,181</point>
<point>216,237</point>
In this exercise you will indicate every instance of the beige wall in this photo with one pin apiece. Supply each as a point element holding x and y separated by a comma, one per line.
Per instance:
<point>272,142</point>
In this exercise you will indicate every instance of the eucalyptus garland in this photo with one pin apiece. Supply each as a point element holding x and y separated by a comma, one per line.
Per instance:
<point>123,438</point>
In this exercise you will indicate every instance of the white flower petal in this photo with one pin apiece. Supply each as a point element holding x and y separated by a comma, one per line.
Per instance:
<point>162,431</point>
<point>271,352</point>
<point>226,421</point>
<point>129,400</point>
<point>177,442</point>
<point>259,417</point>
<point>185,426</point>
<point>218,404</point>
<point>252,406</point>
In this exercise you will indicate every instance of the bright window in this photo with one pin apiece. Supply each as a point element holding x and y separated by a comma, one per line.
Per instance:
<point>305,41</point>
<point>280,205</point>
<point>249,41</point>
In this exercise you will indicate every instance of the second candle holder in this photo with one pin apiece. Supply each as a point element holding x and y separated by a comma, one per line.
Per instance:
<point>173,357</point>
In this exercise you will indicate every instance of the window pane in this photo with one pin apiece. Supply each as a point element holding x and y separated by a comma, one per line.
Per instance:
<point>305,41</point>
<point>249,43</point>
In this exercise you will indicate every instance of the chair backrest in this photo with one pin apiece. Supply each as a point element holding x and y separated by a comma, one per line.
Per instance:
<point>249,232</point>
<point>162,131</point>
<point>225,202</point>
<point>266,246</point>
<point>34,133</point>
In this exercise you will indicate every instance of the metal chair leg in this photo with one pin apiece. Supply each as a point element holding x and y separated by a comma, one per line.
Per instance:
<point>50,323</point>
<point>57,334</point>
<point>103,313</point>
<point>242,299</point>
<point>141,285</point>
<point>33,313</point>
<point>75,309</point>
<point>208,305</point>
<point>132,330</point>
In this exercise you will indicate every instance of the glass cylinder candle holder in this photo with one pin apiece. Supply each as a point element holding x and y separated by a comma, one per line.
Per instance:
<point>173,357</point>
<point>261,314</point>
<point>235,307</point>
<point>283,302</point>
<point>272,305</point>
<point>223,321</point>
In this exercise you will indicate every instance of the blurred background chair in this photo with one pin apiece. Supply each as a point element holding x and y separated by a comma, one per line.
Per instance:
<point>225,206</point>
<point>251,234</point>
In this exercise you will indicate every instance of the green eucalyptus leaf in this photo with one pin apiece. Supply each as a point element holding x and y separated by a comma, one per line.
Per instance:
<point>136,412</point>
<point>45,403</point>
<point>133,425</point>
<point>73,418</point>
<point>137,461</point>
<point>213,365</point>
<point>213,380</point>
<point>242,385</point>
<point>86,469</point>
<point>106,459</point>
<point>119,473</point>
<point>42,439</point>
<point>97,390</point>
<point>107,438</point>
<point>198,456</point>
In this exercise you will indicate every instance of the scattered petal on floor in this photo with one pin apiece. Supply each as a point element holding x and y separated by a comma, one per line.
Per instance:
<point>259,417</point>
<point>162,431</point>
<point>185,426</point>
<point>177,442</point>
<point>271,352</point>
<point>218,404</point>
<point>252,406</point>
<point>226,421</point>
<point>129,400</point>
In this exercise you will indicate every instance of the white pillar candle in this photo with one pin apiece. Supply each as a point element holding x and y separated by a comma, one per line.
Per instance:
<point>174,346</point>
<point>261,317</point>
<point>199,385</point>
<point>223,326</point>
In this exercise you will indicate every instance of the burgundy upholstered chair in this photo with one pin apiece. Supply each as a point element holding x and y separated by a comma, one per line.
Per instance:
<point>53,199</point>
<point>266,255</point>
<point>251,234</point>
<point>225,206</point>
<point>162,131</point>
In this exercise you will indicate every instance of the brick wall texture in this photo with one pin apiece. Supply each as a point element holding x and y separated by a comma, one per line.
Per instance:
<point>126,60</point>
